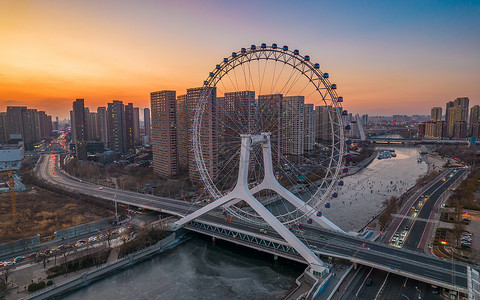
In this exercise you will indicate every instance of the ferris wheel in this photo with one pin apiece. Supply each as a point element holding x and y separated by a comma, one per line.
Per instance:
<point>278,96</point>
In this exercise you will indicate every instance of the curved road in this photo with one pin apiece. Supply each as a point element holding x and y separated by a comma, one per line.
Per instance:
<point>407,263</point>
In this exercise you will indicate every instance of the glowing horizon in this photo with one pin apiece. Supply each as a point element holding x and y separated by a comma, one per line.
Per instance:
<point>397,58</point>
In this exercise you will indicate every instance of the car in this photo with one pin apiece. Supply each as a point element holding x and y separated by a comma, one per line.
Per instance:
<point>100,188</point>
<point>396,234</point>
<point>407,228</point>
<point>263,231</point>
<point>9,263</point>
<point>3,264</point>
<point>394,239</point>
<point>368,282</point>
<point>80,243</point>
<point>19,258</point>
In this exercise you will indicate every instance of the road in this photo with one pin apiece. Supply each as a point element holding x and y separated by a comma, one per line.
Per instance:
<point>424,204</point>
<point>378,255</point>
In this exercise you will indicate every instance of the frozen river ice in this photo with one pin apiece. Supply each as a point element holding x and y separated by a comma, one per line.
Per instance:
<point>198,269</point>
<point>363,193</point>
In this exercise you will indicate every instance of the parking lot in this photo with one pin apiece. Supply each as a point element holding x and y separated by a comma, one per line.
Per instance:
<point>474,228</point>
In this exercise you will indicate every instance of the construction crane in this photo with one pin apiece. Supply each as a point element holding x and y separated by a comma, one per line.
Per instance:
<point>11,184</point>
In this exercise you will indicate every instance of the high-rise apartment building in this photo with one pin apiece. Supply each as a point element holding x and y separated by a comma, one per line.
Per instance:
<point>208,142</point>
<point>116,126</point>
<point>129,127</point>
<point>237,114</point>
<point>79,129</point>
<point>15,122</point>
<point>270,120</point>
<point>456,117</point>
<point>474,119</point>
<point>293,126</point>
<point>3,128</point>
<point>147,124</point>
<point>31,126</point>
<point>309,127</point>
<point>92,126</point>
<point>323,123</point>
<point>184,125</point>
<point>102,124</point>
<point>164,121</point>
<point>46,125</point>
<point>436,114</point>
<point>136,125</point>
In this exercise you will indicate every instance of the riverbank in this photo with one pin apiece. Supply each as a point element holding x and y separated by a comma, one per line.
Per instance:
<point>74,281</point>
<point>361,165</point>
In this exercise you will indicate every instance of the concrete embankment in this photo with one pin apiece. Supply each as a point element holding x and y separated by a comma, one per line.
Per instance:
<point>87,277</point>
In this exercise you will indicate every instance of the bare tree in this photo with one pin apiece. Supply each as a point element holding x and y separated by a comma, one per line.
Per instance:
<point>457,231</point>
<point>4,282</point>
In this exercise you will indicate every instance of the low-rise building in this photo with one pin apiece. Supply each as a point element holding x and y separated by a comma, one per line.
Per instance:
<point>11,155</point>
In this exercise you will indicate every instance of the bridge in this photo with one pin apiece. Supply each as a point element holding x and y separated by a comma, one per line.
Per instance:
<point>388,140</point>
<point>415,265</point>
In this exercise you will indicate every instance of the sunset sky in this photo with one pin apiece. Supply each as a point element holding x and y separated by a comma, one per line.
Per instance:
<point>387,57</point>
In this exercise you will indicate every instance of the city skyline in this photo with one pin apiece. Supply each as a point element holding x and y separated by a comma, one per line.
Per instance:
<point>386,58</point>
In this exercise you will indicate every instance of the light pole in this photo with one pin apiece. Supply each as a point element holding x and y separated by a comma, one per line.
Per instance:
<point>116,214</point>
<point>405,296</point>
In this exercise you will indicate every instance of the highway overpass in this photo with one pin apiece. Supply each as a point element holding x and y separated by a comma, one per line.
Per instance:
<point>444,273</point>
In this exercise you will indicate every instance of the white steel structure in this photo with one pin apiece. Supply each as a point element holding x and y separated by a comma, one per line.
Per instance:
<point>250,185</point>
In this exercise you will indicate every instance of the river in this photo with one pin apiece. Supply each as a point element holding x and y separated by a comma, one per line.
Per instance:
<point>200,269</point>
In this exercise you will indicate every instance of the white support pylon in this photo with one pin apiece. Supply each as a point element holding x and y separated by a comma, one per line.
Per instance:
<point>242,192</point>
<point>270,183</point>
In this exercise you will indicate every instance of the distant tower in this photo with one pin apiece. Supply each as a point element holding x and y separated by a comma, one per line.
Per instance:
<point>129,130</point>
<point>136,125</point>
<point>116,126</point>
<point>102,124</point>
<point>79,129</point>
<point>147,124</point>
<point>436,114</point>
<point>364,119</point>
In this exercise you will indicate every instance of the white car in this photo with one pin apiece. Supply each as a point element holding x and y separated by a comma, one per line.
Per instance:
<point>100,188</point>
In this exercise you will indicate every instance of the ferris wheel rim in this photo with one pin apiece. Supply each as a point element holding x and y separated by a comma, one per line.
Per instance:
<point>247,55</point>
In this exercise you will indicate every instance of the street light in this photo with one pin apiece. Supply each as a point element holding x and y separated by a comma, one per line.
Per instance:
<point>405,296</point>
